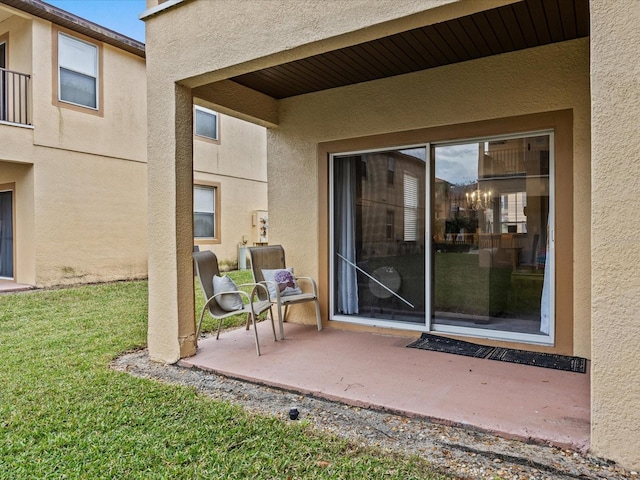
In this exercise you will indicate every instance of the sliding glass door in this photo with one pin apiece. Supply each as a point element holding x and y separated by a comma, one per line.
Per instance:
<point>461,230</point>
<point>492,249</point>
<point>379,221</point>
<point>6,234</point>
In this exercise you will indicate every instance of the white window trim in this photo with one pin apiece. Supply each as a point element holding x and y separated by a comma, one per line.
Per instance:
<point>210,112</point>
<point>217,228</point>
<point>97,75</point>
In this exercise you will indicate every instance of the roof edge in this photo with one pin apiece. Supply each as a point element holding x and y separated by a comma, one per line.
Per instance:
<point>78,24</point>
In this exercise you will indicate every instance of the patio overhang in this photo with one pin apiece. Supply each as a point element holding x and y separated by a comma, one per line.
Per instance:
<point>494,31</point>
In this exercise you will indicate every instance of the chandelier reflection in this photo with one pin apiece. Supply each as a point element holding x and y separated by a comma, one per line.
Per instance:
<point>479,200</point>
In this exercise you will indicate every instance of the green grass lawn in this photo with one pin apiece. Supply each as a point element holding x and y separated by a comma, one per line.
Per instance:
<point>65,414</point>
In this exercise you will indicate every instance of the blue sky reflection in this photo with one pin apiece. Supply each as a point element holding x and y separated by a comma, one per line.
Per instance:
<point>457,164</point>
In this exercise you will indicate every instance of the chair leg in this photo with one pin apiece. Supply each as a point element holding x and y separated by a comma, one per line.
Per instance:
<point>281,321</point>
<point>255,332</point>
<point>200,324</point>
<point>248,321</point>
<point>318,319</point>
<point>219,328</point>
<point>273,326</point>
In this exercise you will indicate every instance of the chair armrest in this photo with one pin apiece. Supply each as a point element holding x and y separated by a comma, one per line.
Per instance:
<point>254,293</point>
<point>242,294</point>
<point>265,284</point>
<point>254,290</point>
<point>312,282</point>
<point>205,307</point>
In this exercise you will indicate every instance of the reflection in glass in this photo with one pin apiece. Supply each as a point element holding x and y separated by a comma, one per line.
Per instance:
<point>379,235</point>
<point>490,223</point>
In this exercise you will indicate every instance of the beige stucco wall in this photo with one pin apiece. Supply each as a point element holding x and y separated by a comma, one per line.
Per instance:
<point>79,218</point>
<point>227,38</point>
<point>237,163</point>
<point>120,132</point>
<point>90,217</point>
<point>615,372</point>
<point>81,194</point>
<point>19,42</point>
<point>550,78</point>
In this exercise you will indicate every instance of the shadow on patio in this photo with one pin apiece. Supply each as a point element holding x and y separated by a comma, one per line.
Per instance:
<point>377,371</point>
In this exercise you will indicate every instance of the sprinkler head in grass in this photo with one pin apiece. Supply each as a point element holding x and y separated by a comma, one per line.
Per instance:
<point>293,413</point>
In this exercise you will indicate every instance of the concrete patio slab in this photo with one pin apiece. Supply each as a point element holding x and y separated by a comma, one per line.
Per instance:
<point>378,371</point>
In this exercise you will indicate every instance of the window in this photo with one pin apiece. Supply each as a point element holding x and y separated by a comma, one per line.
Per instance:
<point>390,222</point>
<point>77,72</point>
<point>206,123</point>
<point>204,211</point>
<point>513,217</point>
<point>410,208</point>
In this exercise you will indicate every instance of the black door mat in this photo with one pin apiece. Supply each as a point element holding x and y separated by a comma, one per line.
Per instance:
<point>450,345</point>
<point>546,360</point>
<point>459,347</point>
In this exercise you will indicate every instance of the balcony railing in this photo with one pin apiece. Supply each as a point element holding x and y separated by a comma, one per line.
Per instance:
<point>14,97</point>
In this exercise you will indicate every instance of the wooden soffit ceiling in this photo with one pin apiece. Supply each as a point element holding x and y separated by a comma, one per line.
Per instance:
<point>525,24</point>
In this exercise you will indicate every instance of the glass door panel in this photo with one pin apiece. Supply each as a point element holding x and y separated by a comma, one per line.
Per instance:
<point>490,224</point>
<point>3,81</point>
<point>6,234</point>
<point>378,260</point>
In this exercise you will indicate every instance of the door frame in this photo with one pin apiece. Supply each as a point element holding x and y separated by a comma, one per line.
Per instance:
<point>4,58</point>
<point>560,121</point>
<point>361,319</point>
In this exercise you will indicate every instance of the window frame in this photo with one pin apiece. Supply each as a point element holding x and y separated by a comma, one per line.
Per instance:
<point>208,111</point>
<point>56,99</point>
<point>4,40</point>
<point>217,238</point>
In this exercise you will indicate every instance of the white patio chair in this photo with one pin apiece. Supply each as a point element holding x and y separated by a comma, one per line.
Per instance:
<point>206,267</point>
<point>271,258</point>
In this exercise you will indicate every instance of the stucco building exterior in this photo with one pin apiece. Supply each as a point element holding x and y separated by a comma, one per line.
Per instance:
<point>504,133</point>
<point>73,155</point>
